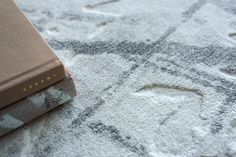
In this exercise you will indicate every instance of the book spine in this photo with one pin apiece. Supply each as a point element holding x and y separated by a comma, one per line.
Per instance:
<point>35,105</point>
<point>31,82</point>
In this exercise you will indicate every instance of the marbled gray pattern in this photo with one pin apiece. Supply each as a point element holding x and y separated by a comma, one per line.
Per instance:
<point>155,78</point>
<point>30,108</point>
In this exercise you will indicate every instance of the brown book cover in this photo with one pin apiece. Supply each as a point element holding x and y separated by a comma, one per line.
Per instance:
<point>27,64</point>
<point>29,108</point>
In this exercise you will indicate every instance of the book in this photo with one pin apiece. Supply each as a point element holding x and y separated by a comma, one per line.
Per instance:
<point>29,108</point>
<point>27,64</point>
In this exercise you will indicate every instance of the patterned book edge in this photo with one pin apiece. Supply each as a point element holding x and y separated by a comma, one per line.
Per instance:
<point>35,105</point>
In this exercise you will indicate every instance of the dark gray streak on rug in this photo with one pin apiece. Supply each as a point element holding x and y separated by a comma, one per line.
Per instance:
<point>114,134</point>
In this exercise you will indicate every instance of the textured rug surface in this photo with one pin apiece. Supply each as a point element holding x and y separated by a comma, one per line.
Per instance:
<point>155,78</point>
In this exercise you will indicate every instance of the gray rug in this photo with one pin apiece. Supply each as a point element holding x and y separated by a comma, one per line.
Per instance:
<point>154,78</point>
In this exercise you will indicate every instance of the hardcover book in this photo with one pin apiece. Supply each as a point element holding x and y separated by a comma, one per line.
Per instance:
<point>27,64</point>
<point>27,109</point>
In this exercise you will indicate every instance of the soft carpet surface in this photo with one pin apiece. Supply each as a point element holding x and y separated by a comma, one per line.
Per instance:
<point>154,78</point>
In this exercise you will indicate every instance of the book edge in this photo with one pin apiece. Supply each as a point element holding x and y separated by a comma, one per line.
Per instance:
<point>66,85</point>
<point>31,83</point>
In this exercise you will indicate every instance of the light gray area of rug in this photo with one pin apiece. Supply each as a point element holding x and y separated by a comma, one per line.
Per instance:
<point>155,78</point>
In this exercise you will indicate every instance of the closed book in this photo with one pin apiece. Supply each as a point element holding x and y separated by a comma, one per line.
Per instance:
<point>27,109</point>
<point>27,64</point>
